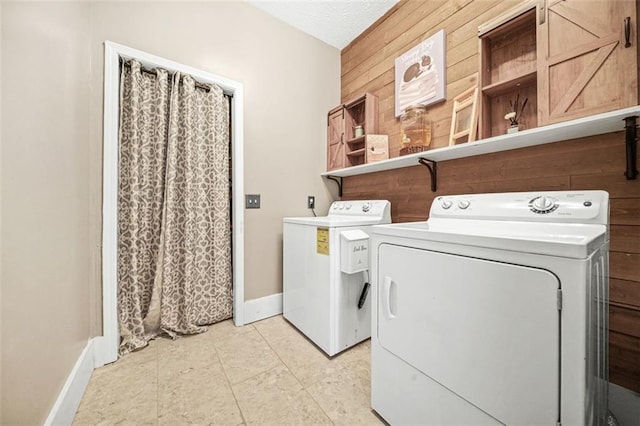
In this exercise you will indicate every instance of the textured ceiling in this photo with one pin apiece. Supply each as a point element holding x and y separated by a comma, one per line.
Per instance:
<point>336,22</point>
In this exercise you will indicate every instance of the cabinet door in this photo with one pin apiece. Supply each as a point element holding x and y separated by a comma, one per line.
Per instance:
<point>584,66</point>
<point>335,139</point>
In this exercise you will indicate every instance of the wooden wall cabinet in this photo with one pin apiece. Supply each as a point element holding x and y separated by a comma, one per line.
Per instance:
<point>567,57</point>
<point>344,148</point>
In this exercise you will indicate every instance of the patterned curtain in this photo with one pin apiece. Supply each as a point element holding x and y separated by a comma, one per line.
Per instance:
<point>174,246</point>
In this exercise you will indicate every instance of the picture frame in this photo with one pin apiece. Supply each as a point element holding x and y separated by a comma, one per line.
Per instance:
<point>420,74</point>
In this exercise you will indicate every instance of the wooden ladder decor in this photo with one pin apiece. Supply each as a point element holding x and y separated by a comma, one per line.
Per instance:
<point>464,120</point>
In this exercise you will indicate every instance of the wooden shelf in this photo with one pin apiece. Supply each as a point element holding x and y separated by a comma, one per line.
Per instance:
<point>587,126</point>
<point>359,139</point>
<point>508,85</point>
<point>356,153</point>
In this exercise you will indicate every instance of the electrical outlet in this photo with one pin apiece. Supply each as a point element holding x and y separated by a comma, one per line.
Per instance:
<point>252,201</point>
<point>311,202</point>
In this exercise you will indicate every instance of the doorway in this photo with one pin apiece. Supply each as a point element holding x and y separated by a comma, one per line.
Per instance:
<point>107,350</point>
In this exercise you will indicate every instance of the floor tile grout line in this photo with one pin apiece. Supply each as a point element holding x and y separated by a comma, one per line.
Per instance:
<point>262,372</point>
<point>280,358</point>
<point>224,371</point>
<point>313,345</point>
<point>175,341</point>
<point>296,377</point>
<point>319,405</point>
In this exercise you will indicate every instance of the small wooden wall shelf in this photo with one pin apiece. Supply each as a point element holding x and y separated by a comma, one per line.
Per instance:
<point>508,71</point>
<point>367,149</point>
<point>599,124</point>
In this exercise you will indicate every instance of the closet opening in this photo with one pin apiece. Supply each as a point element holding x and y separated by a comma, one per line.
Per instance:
<point>195,80</point>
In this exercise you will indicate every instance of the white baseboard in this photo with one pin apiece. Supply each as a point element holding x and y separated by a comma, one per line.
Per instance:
<point>103,352</point>
<point>264,307</point>
<point>65,407</point>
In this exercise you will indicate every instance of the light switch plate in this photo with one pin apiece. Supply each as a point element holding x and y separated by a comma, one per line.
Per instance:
<point>252,201</point>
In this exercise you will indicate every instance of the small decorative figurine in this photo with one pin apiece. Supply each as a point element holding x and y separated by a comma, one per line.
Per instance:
<point>515,115</point>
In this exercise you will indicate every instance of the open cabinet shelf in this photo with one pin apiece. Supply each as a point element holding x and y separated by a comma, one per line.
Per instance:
<point>527,78</point>
<point>356,153</point>
<point>508,72</point>
<point>354,141</point>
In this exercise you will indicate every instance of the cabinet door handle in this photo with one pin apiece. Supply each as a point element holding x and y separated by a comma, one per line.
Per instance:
<point>627,31</point>
<point>342,138</point>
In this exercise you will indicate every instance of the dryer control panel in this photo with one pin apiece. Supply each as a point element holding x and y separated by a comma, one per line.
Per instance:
<point>544,206</point>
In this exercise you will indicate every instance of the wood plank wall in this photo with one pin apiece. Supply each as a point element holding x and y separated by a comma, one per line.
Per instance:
<point>586,163</point>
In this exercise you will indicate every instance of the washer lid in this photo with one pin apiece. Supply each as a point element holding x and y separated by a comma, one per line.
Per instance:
<point>553,239</point>
<point>335,221</point>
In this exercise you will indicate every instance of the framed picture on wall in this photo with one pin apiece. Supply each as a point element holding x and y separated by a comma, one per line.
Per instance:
<point>420,74</point>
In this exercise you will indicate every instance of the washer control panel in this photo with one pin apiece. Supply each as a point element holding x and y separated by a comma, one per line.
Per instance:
<point>374,208</point>
<point>551,206</point>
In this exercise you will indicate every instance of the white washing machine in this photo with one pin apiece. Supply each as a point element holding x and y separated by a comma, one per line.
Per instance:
<point>493,311</point>
<point>330,306</point>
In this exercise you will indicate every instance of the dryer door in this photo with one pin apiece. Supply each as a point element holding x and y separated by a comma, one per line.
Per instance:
<point>487,331</point>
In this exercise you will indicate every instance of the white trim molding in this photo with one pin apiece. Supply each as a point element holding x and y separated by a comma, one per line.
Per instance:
<point>113,52</point>
<point>65,407</point>
<point>264,307</point>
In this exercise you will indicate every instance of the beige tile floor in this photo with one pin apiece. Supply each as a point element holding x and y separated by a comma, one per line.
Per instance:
<point>263,373</point>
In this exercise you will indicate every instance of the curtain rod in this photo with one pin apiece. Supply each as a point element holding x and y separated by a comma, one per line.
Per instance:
<point>153,72</point>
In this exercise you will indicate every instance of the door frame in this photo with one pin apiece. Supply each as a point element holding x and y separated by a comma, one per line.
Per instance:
<point>107,349</point>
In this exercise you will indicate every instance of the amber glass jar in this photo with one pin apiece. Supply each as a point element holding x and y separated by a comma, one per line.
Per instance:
<point>415,130</point>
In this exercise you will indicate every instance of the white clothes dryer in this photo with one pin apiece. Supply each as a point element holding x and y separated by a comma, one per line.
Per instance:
<point>493,311</point>
<point>324,293</point>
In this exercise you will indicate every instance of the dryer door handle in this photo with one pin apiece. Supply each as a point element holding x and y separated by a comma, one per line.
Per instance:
<point>390,298</point>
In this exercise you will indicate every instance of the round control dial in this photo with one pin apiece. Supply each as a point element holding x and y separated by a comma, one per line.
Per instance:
<point>446,204</point>
<point>543,205</point>
<point>366,207</point>
<point>464,204</point>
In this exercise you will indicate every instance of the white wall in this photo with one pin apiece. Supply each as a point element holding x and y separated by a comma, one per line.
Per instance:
<point>290,81</point>
<point>51,159</point>
<point>45,210</point>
